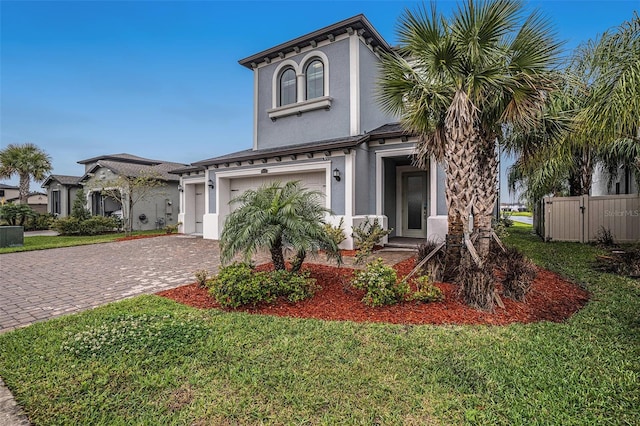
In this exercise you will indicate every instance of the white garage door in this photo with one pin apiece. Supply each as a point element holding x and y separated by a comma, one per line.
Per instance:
<point>314,181</point>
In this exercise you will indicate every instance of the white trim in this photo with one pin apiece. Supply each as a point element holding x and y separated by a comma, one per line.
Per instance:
<point>300,107</point>
<point>304,50</point>
<point>349,183</point>
<point>433,186</point>
<point>277,170</point>
<point>395,152</point>
<point>325,74</point>
<point>298,68</point>
<point>275,80</point>
<point>354,85</point>
<point>255,109</point>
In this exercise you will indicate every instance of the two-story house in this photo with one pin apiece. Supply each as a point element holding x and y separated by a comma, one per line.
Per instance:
<point>316,119</point>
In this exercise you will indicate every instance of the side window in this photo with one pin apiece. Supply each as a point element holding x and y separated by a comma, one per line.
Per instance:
<point>55,202</point>
<point>287,87</point>
<point>314,77</point>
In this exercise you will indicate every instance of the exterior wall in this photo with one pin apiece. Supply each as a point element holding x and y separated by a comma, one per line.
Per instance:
<point>159,209</point>
<point>625,183</point>
<point>67,195</point>
<point>312,125</point>
<point>371,115</point>
<point>10,193</point>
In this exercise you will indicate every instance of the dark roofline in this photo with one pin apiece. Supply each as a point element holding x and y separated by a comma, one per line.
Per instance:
<point>358,22</point>
<point>57,177</point>
<point>187,169</point>
<point>139,160</point>
<point>395,131</point>
<point>315,147</point>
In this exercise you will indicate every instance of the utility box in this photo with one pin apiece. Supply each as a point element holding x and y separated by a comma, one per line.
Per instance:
<point>11,236</point>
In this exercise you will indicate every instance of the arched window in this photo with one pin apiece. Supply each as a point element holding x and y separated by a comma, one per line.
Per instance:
<point>287,87</point>
<point>314,76</point>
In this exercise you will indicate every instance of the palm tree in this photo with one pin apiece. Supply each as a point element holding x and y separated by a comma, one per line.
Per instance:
<point>613,112</point>
<point>600,97</point>
<point>276,217</point>
<point>456,82</point>
<point>28,162</point>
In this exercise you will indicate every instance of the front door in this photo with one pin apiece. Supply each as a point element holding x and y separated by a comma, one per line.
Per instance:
<point>414,204</point>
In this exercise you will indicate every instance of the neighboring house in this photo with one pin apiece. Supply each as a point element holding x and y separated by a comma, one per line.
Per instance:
<point>316,119</point>
<point>11,194</point>
<point>8,192</point>
<point>623,183</point>
<point>61,190</point>
<point>155,211</point>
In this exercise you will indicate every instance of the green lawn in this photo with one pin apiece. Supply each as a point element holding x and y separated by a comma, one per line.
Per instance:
<point>527,214</point>
<point>149,360</point>
<point>43,242</point>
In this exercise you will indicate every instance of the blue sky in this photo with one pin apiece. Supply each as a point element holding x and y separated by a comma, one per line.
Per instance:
<point>160,79</point>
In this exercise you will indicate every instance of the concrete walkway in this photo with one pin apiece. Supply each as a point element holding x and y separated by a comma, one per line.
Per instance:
<point>44,284</point>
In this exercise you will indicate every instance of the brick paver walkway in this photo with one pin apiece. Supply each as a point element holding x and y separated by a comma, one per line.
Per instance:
<point>39,285</point>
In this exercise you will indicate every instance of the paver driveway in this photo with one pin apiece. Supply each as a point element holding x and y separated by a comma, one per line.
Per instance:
<point>39,285</point>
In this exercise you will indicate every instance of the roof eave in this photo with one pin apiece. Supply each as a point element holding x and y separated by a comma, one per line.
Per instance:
<point>358,22</point>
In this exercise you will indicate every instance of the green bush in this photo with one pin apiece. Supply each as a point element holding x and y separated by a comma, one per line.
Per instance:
<point>380,283</point>
<point>39,221</point>
<point>426,292</point>
<point>336,233</point>
<point>16,214</point>
<point>93,226</point>
<point>366,236</point>
<point>295,287</point>
<point>239,284</point>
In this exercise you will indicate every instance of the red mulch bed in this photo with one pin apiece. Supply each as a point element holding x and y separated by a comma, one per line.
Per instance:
<point>551,299</point>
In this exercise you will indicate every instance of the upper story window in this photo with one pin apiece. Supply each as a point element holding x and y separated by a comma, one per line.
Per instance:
<point>288,91</point>
<point>299,86</point>
<point>314,76</point>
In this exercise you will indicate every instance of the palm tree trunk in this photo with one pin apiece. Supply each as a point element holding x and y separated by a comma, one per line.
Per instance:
<point>460,171</point>
<point>486,195</point>
<point>277,257</point>
<point>25,180</point>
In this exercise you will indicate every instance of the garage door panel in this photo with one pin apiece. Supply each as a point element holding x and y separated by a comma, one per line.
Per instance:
<point>314,181</point>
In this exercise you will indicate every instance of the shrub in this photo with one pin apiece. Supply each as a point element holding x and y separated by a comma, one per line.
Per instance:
<point>170,229</point>
<point>336,233</point>
<point>16,214</point>
<point>39,221</point>
<point>519,274</point>
<point>201,277</point>
<point>239,284</point>
<point>99,225</point>
<point>92,226</point>
<point>380,284</point>
<point>366,236</point>
<point>425,291</point>
<point>295,287</point>
<point>604,237</point>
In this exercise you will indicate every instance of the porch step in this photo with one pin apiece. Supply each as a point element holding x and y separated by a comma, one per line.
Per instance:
<point>405,243</point>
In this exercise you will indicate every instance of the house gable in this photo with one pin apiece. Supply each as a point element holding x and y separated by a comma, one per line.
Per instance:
<point>292,107</point>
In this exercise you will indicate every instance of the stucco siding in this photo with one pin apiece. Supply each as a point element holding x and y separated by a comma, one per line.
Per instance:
<point>371,115</point>
<point>312,125</point>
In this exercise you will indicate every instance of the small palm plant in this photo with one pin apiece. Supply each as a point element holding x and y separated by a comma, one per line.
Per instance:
<point>278,217</point>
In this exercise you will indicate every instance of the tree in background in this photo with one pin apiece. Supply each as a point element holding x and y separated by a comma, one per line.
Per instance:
<point>129,191</point>
<point>28,162</point>
<point>79,208</point>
